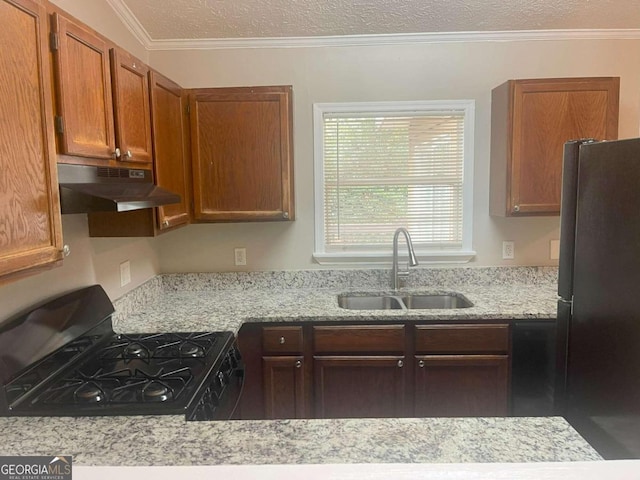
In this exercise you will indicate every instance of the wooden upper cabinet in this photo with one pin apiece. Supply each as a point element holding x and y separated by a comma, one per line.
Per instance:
<point>30,223</point>
<point>242,153</point>
<point>171,166</point>
<point>531,121</point>
<point>130,81</point>
<point>93,77</point>
<point>168,108</point>
<point>83,91</point>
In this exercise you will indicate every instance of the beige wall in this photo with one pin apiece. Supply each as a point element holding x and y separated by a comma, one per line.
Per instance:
<point>379,73</point>
<point>429,71</point>
<point>91,260</point>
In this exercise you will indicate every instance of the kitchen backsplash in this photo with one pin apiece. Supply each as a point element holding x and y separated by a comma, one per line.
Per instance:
<point>331,279</point>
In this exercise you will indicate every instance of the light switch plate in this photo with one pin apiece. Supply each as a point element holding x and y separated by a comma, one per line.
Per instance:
<point>240,256</point>
<point>125,273</point>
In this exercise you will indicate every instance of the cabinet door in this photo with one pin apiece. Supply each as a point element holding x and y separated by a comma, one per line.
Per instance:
<point>531,121</point>
<point>130,83</point>
<point>242,154</point>
<point>168,114</point>
<point>83,84</point>
<point>284,387</point>
<point>461,385</point>
<point>359,386</point>
<point>30,223</point>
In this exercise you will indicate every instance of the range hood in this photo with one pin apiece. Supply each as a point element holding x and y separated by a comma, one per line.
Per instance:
<point>85,189</point>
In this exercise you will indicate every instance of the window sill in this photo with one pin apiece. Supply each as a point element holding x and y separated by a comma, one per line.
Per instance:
<point>378,258</point>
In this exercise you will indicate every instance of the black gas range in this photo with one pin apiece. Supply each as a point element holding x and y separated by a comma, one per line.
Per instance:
<point>63,359</point>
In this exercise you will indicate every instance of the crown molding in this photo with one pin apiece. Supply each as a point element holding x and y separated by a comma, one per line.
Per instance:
<point>136,28</point>
<point>392,39</point>
<point>132,23</point>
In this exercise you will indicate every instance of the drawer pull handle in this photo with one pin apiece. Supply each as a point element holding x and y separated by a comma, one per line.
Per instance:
<point>298,363</point>
<point>282,340</point>
<point>421,363</point>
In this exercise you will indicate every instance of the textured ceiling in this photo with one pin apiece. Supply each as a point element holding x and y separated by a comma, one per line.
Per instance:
<point>226,19</point>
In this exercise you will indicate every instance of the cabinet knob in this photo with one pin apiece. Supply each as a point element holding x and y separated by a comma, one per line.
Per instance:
<point>298,363</point>
<point>165,223</point>
<point>282,340</point>
<point>421,363</point>
<point>116,153</point>
<point>400,364</point>
<point>285,214</point>
<point>66,250</point>
<point>128,154</point>
<point>516,208</point>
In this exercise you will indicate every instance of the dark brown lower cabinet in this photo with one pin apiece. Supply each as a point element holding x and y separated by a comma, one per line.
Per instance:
<point>461,385</point>
<point>284,387</point>
<point>316,370</point>
<point>359,386</point>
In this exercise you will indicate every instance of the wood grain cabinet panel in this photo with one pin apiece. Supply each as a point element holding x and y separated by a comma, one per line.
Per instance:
<point>83,91</point>
<point>171,167</point>
<point>102,93</point>
<point>462,338</point>
<point>130,83</point>
<point>30,222</point>
<point>359,386</point>
<point>284,387</point>
<point>282,339</point>
<point>359,339</point>
<point>461,385</point>
<point>242,153</point>
<point>530,122</point>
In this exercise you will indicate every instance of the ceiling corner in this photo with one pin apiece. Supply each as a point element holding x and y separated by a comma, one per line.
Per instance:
<point>131,22</point>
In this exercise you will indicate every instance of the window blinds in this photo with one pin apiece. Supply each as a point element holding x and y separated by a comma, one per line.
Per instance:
<point>384,171</point>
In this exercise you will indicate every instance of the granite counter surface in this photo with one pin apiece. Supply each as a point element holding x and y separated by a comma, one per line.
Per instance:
<point>170,440</point>
<point>194,302</point>
<point>200,302</point>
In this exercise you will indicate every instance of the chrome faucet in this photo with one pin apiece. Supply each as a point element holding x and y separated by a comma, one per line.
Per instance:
<point>395,271</point>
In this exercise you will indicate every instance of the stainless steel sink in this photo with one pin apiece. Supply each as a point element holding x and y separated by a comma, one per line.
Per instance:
<point>418,301</point>
<point>445,301</point>
<point>371,302</point>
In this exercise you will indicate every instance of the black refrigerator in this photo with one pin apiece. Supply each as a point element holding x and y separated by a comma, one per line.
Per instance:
<point>598,370</point>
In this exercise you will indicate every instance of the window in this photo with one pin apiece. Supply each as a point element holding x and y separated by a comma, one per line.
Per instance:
<point>380,166</point>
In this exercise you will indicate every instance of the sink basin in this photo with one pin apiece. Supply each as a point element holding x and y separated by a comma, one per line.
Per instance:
<point>421,301</point>
<point>370,302</point>
<point>445,301</point>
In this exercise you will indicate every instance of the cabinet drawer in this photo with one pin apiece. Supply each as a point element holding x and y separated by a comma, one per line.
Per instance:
<point>356,338</point>
<point>282,339</point>
<point>462,338</point>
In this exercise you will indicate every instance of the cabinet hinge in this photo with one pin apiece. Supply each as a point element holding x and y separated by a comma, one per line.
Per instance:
<point>54,41</point>
<point>59,124</point>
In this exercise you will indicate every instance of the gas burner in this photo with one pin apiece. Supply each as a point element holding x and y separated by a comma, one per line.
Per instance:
<point>136,350</point>
<point>89,393</point>
<point>156,392</point>
<point>189,349</point>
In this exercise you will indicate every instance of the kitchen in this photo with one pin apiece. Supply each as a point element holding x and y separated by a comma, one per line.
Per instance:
<point>382,72</point>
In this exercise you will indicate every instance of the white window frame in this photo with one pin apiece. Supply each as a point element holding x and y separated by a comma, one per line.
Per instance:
<point>430,256</point>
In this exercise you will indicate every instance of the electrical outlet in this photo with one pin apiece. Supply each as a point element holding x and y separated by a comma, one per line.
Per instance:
<point>125,273</point>
<point>508,250</point>
<point>240,256</point>
<point>554,249</point>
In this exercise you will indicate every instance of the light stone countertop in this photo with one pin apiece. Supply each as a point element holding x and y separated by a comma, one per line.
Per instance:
<point>170,440</point>
<point>203,302</point>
